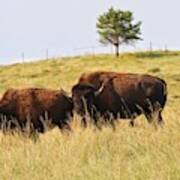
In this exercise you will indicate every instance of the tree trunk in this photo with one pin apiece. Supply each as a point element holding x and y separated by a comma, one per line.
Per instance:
<point>117,50</point>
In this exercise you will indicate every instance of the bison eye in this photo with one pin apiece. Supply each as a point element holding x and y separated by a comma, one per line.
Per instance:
<point>88,94</point>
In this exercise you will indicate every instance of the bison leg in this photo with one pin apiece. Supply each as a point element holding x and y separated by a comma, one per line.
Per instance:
<point>111,122</point>
<point>38,127</point>
<point>160,119</point>
<point>64,126</point>
<point>132,120</point>
<point>149,117</point>
<point>155,117</point>
<point>84,122</point>
<point>131,123</point>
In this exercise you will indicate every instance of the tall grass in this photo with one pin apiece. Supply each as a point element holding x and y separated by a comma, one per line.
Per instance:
<point>142,152</point>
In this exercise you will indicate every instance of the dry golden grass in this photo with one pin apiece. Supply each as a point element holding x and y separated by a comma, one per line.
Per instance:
<point>142,152</point>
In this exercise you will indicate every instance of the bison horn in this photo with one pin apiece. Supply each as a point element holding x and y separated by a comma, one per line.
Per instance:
<point>103,85</point>
<point>96,93</point>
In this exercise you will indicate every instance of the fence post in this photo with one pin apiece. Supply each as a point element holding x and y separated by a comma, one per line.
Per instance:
<point>150,47</point>
<point>22,55</point>
<point>47,54</point>
<point>23,65</point>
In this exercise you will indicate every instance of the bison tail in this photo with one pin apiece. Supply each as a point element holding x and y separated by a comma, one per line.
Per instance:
<point>164,93</point>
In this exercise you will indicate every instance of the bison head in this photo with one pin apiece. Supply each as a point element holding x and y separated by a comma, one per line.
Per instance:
<point>83,96</point>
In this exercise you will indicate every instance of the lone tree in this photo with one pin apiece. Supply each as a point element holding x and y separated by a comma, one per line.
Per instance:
<point>116,27</point>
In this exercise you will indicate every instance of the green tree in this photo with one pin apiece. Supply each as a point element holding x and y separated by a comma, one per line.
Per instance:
<point>117,27</point>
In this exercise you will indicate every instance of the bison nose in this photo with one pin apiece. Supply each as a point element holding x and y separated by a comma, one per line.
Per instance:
<point>78,108</point>
<point>76,103</point>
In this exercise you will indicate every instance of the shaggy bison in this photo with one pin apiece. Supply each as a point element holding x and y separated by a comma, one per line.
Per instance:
<point>34,105</point>
<point>119,95</point>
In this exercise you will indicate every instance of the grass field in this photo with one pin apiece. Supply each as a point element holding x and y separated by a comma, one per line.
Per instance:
<point>138,153</point>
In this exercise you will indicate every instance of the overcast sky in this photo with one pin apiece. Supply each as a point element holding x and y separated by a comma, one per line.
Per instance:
<point>69,27</point>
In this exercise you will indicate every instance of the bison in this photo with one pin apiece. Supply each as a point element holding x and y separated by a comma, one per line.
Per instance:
<point>34,105</point>
<point>119,95</point>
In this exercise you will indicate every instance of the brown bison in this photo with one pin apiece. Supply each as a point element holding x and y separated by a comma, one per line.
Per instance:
<point>119,95</point>
<point>33,104</point>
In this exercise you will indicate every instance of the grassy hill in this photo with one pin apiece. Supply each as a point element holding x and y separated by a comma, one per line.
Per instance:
<point>142,152</point>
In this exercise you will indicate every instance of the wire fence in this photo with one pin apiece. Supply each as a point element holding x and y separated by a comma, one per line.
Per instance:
<point>50,53</point>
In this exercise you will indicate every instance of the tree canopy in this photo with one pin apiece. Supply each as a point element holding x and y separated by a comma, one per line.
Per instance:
<point>117,27</point>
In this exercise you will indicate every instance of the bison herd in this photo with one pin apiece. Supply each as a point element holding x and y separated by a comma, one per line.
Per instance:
<point>105,95</point>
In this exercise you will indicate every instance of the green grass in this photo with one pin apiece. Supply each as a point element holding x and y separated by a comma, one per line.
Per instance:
<point>142,152</point>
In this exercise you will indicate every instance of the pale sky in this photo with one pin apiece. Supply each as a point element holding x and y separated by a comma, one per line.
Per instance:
<point>69,27</point>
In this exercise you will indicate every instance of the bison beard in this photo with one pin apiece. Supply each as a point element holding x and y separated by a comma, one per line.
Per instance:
<point>120,96</point>
<point>31,105</point>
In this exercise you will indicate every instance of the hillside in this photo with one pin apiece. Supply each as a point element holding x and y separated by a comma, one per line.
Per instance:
<point>142,152</point>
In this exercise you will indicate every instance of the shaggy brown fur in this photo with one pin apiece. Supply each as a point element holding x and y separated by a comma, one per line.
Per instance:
<point>32,104</point>
<point>123,95</point>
